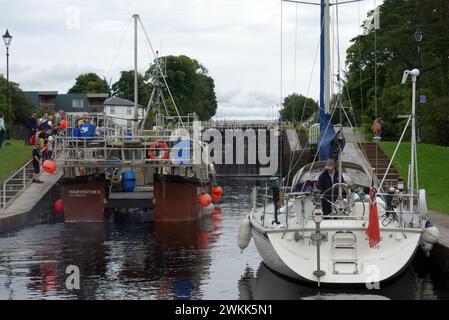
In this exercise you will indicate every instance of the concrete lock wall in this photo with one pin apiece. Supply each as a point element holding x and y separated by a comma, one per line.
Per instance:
<point>290,146</point>
<point>41,212</point>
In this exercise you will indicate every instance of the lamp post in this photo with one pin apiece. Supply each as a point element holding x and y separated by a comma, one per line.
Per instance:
<point>7,39</point>
<point>418,37</point>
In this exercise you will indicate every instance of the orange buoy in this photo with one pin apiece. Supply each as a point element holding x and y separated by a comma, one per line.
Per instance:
<point>217,211</point>
<point>204,200</point>
<point>216,197</point>
<point>217,190</point>
<point>49,166</point>
<point>64,124</point>
<point>59,207</point>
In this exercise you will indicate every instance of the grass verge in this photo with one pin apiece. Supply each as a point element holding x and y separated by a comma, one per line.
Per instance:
<point>433,166</point>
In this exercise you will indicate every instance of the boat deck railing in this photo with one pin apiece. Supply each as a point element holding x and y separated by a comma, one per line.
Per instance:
<point>263,202</point>
<point>160,149</point>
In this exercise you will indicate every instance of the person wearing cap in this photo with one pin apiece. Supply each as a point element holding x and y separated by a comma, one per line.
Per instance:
<point>326,180</point>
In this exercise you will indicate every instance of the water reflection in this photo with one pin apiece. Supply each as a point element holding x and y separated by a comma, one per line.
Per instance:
<point>170,261</point>
<point>160,261</point>
<point>264,284</point>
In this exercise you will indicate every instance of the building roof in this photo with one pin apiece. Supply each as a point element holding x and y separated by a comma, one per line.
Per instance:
<point>120,102</point>
<point>97,95</point>
<point>43,93</point>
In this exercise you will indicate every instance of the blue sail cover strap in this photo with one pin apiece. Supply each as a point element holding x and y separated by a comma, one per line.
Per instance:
<point>327,132</point>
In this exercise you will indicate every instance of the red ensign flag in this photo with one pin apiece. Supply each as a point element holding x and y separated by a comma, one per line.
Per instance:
<point>373,230</point>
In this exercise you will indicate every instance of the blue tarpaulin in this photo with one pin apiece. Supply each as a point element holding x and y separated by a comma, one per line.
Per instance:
<point>326,138</point>
<point>87,130</point>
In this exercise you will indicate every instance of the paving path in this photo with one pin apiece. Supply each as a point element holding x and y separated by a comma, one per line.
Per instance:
<point>441,220</point>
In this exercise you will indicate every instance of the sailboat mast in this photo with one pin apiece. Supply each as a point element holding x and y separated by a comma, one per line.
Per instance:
<point>326,31</point>
<point>324,63</point>
<point>136,93</point>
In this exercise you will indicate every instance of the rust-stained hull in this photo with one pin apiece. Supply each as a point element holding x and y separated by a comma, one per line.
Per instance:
<point>176,198</point>
<point>84,199</point>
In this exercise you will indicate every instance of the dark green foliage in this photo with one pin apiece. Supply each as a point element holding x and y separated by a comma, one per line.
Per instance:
<point>124,87</point>
<point>89,83</point>
<point>298,107</point>
<point>20,106</point>
<point>399,21</point>
<point>192,88</point>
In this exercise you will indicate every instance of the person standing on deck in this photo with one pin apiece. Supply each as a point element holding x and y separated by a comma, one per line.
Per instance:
<point>326,180</point>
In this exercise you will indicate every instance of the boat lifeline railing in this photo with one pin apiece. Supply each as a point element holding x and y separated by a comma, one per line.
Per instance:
<point>15,183</point>
<point>129,150</point>
<point>239,124</point>
<point>171,122</point>
<point>396,210</point>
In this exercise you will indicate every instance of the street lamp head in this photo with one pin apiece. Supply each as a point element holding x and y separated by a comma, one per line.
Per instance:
<point>418,34</point>
<point>7,38</point>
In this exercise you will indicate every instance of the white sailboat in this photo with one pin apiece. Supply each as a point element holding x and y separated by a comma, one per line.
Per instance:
<point>336,248</point>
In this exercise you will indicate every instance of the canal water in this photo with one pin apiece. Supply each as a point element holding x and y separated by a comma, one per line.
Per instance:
<point>170,261</point>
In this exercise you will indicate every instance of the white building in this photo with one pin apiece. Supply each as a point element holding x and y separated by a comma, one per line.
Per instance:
<point>122,111</point>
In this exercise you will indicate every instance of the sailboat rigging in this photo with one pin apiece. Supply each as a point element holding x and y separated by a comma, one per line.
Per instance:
<point>366,233</point>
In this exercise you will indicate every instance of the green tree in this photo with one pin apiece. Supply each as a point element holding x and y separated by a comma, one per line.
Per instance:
<point>20,106</point>
<point>298,108</point>
<point>192,88</point>
<point>124,87</point>
<point>395,50</point>
<point>89,83</point>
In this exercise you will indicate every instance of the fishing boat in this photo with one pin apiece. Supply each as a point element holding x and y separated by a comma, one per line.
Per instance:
<point>160,161</point>
<point>369,232</point>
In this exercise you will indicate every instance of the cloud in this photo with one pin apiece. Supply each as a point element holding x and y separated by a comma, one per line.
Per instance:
<point>32,78</point>
<point>238,104</point>
<point>238,41</point>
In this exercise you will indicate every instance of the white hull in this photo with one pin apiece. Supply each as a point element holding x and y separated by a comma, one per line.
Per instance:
<point>296,259</point>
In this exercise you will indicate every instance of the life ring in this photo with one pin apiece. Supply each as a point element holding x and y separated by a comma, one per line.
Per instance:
<point>158,145</point>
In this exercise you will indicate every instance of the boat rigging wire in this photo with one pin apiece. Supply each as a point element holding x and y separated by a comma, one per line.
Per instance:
<point>339,103</point>
<point>360,65</point>
<point>310,79</point>
<point>294,63</point>
<point>375,58</point>
<point>282,62</point>
<point>117,51</point>
<point>375,75</point>
<point>291,168</point>
<point>161,72</point>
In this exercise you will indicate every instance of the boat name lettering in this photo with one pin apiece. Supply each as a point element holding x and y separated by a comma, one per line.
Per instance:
<point>83,192</point>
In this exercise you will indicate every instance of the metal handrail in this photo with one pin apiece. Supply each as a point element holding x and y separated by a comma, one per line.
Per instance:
<point>21,171</point>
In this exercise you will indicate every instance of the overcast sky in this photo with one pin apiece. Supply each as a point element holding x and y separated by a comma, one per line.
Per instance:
<point>239,41</point>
